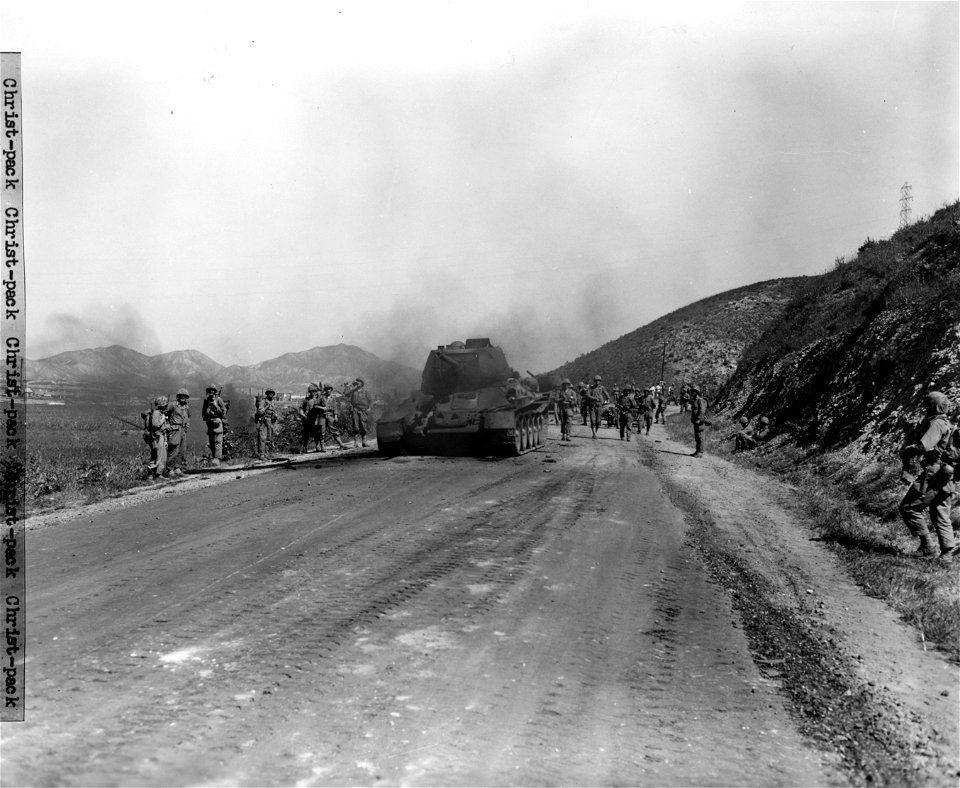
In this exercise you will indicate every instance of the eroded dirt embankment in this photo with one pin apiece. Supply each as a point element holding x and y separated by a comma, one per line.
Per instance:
<point>855,677</point>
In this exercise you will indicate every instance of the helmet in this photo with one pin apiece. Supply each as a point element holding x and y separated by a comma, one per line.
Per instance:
<point>566,382</point>
<point>270,391</point>
<point>212,387</point>
<point>764,420</point>
<point>360,381</point>
<point>313,387</point>
<point>328,387</point>
<point>744,421</point>
<point>183,393</point>
<point>694,387</point>
<point>160,402</point>
<point>597,379</point>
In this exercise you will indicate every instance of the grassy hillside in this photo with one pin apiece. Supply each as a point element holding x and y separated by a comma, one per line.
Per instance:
<point>702,342</point>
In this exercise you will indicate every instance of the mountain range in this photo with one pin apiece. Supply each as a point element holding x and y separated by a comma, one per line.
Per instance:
<point>97,372</point>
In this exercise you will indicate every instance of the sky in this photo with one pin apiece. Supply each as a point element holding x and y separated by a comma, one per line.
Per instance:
<point>249,180</point>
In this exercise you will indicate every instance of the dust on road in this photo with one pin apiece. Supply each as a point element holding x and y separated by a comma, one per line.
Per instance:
<point>413,621</point>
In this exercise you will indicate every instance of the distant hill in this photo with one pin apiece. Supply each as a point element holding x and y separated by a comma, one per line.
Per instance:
<point>701,343</point>
<point>104,372</point>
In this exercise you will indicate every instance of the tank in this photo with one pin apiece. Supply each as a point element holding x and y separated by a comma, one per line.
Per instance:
<point>470,402</point>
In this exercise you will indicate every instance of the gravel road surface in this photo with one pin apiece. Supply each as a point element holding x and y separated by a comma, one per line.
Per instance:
<point>414,621</point>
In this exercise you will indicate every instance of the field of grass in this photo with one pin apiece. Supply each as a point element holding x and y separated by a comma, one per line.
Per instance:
<point>81,452</point>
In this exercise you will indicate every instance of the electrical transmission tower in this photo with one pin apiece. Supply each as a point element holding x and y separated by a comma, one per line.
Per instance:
<point>905,198</point>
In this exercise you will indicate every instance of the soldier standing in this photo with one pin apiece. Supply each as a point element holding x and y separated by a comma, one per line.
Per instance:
<point>155,436</point>
<point>265,417</point>
<point>931,447</point>
<point>597,397</point>
<point>330,416</point>
<point>568,408</point>
<point>627,409</point>
<point>359,399</point>
<point>698,417</point>
<point>584,402</point>
<point>684,398</point>
<point>213,413</point>
<point>311,419</point>
<point>178,422</point>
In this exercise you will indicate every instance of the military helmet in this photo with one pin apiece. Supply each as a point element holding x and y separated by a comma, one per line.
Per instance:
<point>764,420</point>
<point>566,382</point>
<point>744,421</point>
<point>597,379</point>
<point>183,393</point>
<point>270,391</point>
<point>160,402</point>
<point>360,381</point>
<point>313,387</point>
<point>212,387</point>
<point>694,387</point>
<point>327,387</point>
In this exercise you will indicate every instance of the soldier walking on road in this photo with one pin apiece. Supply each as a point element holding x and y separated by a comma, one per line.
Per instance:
<point>597,397</point>
<point>698,417</point>
<point>178,422</point>
<point>584,402</point>
<point>932,451</point>
<point>213,413</point>
<point>627,409</point>
<point>359,399</point>
<point>658,417</point>
<point>568,408</point>
<point>684,398</point>
<point>155,436</point>
<point>647,408</point>
<point>265,417</point>
<point>311,420</point>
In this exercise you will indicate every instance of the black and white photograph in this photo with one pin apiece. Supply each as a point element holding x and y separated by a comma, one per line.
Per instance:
<point>481,394</point>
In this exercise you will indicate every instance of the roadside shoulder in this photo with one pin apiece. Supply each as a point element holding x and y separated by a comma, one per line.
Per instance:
<point>812,628</point>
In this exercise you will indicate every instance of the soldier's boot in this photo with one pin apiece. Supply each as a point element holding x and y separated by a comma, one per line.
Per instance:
<point>928,548</point>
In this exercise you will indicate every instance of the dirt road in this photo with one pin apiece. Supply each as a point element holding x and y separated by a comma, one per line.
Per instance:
<point>414,621</point>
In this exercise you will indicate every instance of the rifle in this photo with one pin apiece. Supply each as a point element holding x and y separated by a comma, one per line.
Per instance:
<point>127,422</point>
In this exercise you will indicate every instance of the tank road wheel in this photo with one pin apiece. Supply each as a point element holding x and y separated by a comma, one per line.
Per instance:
<point>517,435</point>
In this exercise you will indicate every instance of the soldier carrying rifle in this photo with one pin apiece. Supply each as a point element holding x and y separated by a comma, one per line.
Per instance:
<point>214,414</point>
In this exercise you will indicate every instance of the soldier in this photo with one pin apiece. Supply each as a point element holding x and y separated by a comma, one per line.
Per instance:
<point>359,399</point>
<point>178,422</point>
<point>764,430</point>
<point>647,408</point>
<point>331,429</point>
<point>213,413</point>
<point>568,408</point>
<point>311,419</point>
<point>684,398</point>
<point>698,417</point>
<point>661,402</point>
<point>155,436</point>
<point>931,449</point>
<point>265,417</point>
<point>596,396</point>
<point>743,438</point>
<point>627,409</point>
<point>584,402</point>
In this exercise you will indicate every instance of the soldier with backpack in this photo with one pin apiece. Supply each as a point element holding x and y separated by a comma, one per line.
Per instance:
<point>931,458</point>
<point>155,436</point>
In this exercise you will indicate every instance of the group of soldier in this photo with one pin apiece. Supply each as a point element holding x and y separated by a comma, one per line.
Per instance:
<point>166,424</point>
<point>626,406</point>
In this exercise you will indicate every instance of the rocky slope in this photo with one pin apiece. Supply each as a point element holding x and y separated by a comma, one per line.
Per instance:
<point>702,342</point>
<point>845,368</point>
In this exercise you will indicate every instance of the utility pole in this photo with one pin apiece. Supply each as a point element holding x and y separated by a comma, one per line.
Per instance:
<point>905,198</point>
<point>663,363</point>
